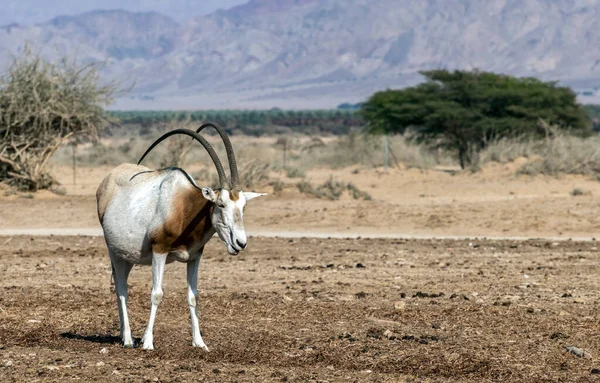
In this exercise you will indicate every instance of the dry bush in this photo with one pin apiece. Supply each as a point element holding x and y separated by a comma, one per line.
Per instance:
<point>366,150</point>
<point>559,153</point>
<point>176,147</point>
<point>331,189</point>
<point>42,105</point>
<point>254,174</point>
<point>294,173</point>
<point>565,154</point>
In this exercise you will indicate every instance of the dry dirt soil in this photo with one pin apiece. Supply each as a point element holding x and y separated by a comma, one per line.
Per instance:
<point>299,310</point>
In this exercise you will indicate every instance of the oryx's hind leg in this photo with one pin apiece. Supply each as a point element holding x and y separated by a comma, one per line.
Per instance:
<point>121,271</point>
<point>192,280</point>
<point>158,270</point>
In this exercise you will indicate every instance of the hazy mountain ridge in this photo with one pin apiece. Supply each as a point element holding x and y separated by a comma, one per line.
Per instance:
<point>324,51</point>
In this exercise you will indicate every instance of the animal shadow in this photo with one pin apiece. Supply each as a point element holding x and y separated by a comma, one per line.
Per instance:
<point>103,339</point>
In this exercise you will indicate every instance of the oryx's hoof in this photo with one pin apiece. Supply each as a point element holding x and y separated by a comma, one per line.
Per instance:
<point>200,345</point>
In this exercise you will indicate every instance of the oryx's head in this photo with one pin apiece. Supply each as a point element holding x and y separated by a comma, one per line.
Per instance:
<point>228,216</point>
<point>229,200</point>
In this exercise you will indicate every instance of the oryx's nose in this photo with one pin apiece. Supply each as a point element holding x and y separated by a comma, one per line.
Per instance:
<point>241,244</point>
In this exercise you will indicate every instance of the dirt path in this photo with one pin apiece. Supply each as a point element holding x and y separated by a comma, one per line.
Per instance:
<point>302,310</point>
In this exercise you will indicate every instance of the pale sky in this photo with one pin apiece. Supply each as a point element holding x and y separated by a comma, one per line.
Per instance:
<point>28,12</point>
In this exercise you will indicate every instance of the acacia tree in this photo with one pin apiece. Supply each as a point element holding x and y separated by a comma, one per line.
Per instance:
<point>42,105</point>
<point>466,110</point>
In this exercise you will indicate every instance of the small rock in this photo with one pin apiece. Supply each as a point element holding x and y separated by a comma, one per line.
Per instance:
<point>100,364</point>
<point>103,351</point>
<point>579,300</point>
<point>41,265</point>
<point>389,335</point>
<point>330,367</point>
<point>360,266</point>
<point>287,299</point>
<point>8,363</point>
<point>51,368</point>
<point>34,321</point>
<point>595,371</point>
<point>400,305</point>
<point>65,285</point>
<point>576,351</point>
<point>558,335</point>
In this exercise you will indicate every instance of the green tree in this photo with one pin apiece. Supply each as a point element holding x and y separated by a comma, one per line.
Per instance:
<point>465,110</point>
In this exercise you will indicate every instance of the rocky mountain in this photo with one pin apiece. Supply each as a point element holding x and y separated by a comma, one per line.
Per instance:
<point>319,53</point>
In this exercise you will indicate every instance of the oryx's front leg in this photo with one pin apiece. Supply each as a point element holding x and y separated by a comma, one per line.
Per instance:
<point>192,280</point>
<point>158,270</point>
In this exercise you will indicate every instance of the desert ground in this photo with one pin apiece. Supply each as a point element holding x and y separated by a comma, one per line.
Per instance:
<point>414,285</point>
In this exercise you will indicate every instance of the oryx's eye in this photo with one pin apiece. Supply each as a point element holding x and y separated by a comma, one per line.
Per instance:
<point>221,205</point>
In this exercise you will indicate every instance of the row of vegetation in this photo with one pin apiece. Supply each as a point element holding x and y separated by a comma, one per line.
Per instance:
<point>251,122</point>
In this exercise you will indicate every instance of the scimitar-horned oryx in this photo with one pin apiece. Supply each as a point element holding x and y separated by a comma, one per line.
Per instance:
<point>155,217</point>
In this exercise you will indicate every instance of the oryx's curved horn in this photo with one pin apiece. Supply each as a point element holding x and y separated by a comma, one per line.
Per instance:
<point>202,140</point>
<point>235,179</point>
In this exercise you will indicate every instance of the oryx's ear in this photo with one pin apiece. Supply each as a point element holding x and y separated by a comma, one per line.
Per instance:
<point>251,195</point>
<point>209,194</point>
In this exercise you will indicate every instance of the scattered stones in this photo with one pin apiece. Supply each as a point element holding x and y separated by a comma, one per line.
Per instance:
<point>389,335</point>
<point>100,364</point>
<point>576,351</point>
<point>567,295</point>
<point>399,305</point>
<point>507,300</point>
<point>348,336</point>
<point>103,351</point>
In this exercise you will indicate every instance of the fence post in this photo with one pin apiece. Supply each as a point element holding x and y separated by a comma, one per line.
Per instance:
<point>74,168</point>
<point>386,152</point>
<point>285,154</point>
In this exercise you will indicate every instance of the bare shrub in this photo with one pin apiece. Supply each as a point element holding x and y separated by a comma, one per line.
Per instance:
<point>42,105</point>
<point>331,189</point>
<point>367,150</point>
<point>254,174</point>
<point>564,154</point>
<point>357,193</point>
<point>294,173</point>
<point>177,147</point>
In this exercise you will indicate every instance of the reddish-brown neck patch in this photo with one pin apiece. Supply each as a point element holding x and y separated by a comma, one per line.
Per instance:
<point>187,223</point>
